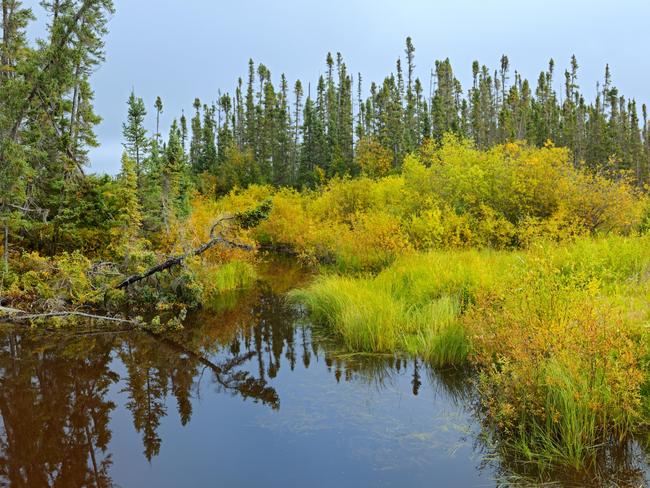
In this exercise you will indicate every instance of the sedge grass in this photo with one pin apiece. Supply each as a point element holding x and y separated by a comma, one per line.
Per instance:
<point>557,331</point>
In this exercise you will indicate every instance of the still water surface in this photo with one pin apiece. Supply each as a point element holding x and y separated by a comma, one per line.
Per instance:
<point>245,397</point>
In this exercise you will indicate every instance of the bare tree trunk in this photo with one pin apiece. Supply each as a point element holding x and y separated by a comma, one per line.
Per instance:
<point>73,112</point>
<point>5,30</point>
<point>6,247</point>
<point>12,315</point>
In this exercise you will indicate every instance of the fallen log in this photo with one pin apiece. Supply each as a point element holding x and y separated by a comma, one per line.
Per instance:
<point>178,260</point>
<point>11,311</point>
<point>13,315</point>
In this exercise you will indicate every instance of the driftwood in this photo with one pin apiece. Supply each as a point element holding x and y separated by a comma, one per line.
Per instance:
<point>178,260</point>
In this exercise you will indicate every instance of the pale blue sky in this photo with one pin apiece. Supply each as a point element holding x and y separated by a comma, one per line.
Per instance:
<point>184,49</point>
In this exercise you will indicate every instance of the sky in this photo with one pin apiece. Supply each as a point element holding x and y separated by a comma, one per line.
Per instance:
<point>182,49</point>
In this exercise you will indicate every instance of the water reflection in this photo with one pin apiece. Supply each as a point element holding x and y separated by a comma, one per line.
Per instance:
<point>399,422</point>
<point>55,411</point>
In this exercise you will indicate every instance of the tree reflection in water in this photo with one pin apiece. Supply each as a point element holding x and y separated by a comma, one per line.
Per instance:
<point>54,410</point>
<point>54,388</point>
<point>56,406</point>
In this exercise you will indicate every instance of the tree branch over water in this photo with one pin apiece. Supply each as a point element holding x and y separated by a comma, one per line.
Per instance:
<point>245,220</point>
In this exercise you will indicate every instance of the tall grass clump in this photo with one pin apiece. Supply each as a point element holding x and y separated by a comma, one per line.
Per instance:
<point>216,279</point>
<point>233,275</point>
<point>412,306</point>
<point>362,317</point>
<point>439,338</point>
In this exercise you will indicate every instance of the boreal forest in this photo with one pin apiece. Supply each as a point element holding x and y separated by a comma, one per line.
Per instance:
<point>498,230</point>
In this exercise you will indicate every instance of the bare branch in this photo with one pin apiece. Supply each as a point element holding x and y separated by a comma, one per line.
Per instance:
<point>17,316</point>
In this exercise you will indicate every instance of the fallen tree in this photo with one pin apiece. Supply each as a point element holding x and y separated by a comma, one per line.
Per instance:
<point>28,317</point>
<point>16,316</point>
<point>218,236</point>
<point>244,220</point>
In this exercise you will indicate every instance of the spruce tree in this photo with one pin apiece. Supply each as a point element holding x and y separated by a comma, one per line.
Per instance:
<point>159,109</point>
<point>129,197</point>
<point>135,135</point>
<point>196,143</point>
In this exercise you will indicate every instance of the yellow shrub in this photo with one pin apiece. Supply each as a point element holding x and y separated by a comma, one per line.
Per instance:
<point>372,158</point>
<point>376,239</point>
<point>450,195</point>
<point>425,230</point>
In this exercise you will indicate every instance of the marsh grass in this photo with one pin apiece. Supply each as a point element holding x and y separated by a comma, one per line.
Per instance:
<point>557,332</point>
<point>221,283</point>
<point>234,275</point>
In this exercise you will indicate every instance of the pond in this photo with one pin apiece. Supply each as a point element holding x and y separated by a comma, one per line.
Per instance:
<point>249,395</point>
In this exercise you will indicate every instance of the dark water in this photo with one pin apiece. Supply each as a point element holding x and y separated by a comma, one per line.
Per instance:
<point>243,397</point>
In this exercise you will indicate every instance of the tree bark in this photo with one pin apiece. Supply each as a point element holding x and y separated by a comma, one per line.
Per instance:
<point>5,253</point>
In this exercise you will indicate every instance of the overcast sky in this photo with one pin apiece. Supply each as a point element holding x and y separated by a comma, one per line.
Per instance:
<point>182,49</point>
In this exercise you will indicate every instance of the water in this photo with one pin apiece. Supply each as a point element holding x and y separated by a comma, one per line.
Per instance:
<point>249,396</point>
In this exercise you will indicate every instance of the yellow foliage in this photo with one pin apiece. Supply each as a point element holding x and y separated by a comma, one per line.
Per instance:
<point>449,195</point>
<point>373,159</point>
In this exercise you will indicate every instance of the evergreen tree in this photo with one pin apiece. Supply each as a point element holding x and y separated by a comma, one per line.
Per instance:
<point>135,134</point>
<point>159,109</point>
<point>196,143</point>
<point>311,138</point>
<point>297,132</point>
<point>445,109</point>
<point>412,136</point>
<point>129,197</point>
<point>208,148</point>
<point>46,111</point>
<point>175,182</point>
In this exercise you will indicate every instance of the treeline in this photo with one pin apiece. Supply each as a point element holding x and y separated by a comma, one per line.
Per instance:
<point>263,132</point>
<point>288,136</point>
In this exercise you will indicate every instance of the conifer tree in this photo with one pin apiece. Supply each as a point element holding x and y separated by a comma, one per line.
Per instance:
<point>159,109</point>
<point>297,131</point>
<point>412,135</point>
<point>445,111</point>
<point>196,142</point>
<point>135,135</point>
<point>208,146</point>
<point>311,138</point>
<point>344,119</point>
<point>129,197</point>
<point>183,130</point>
<point>175,181</point>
